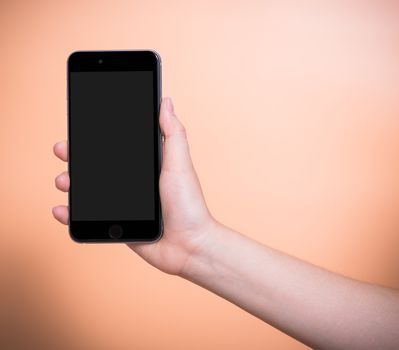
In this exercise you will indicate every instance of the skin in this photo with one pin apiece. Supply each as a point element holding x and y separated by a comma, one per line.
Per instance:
<point>315,306</point>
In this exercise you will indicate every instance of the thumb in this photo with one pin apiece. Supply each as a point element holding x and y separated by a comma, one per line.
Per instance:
<point>176,153</point>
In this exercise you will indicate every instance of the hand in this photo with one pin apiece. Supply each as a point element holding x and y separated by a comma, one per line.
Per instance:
<point>186,217</point>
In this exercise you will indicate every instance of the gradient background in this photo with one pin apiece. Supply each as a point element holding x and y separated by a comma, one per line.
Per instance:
<point>292,114</point>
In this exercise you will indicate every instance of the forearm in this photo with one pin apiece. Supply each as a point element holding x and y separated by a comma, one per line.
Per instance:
<point>313,305</point>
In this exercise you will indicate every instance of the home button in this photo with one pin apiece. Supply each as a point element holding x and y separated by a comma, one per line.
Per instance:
<point>115,231</point>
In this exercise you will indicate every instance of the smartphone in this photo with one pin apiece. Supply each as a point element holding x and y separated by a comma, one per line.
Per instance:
<point>114,145</point>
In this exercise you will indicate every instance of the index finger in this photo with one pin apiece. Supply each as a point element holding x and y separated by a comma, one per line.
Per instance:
<point>61,150</point>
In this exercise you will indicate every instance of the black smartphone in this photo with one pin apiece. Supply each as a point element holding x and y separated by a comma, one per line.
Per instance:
<point>114,145</point>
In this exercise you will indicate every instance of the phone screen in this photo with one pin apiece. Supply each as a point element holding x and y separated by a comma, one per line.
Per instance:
<point>113,145</point>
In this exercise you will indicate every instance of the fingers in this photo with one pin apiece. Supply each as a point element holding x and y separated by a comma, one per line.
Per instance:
<point>61,213</point>
<point>62,182</point>
<point>176,150</point>
<point>61,150</point>
<point>167,111</point>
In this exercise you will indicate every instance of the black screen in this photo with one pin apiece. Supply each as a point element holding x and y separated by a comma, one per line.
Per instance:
<point>112,146</point>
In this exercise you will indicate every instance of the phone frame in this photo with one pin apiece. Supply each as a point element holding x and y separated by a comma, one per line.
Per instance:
<point>128,60</point>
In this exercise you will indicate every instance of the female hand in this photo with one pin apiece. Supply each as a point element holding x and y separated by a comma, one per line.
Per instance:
<point>186,217</point>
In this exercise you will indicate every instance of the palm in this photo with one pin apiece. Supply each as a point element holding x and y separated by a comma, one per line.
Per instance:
<point>185,216</point>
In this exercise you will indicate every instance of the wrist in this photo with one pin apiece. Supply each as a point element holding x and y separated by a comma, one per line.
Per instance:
<point>205,261</point>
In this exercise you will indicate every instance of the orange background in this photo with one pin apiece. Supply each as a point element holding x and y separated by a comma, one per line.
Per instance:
<point>292,114</point>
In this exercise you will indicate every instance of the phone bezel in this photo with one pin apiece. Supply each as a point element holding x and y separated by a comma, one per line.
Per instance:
<point>129,60</point>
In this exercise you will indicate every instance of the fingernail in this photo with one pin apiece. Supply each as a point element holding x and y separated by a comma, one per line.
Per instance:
<point>169,105</point>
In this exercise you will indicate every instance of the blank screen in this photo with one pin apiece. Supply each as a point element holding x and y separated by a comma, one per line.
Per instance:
<point>112,146</point>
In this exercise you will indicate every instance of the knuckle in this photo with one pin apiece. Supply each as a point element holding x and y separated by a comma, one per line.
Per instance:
<point>181,130</point>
